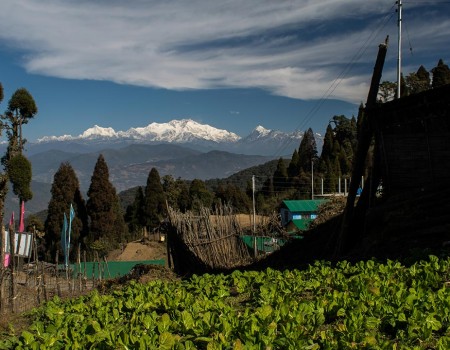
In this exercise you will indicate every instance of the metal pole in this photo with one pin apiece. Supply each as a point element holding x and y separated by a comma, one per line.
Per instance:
<point>255,248</point>
<point>312,179</point>
<point>399,59</point>
<point>254,206</point>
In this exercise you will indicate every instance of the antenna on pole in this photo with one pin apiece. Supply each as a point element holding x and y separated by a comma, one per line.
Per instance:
<point>399,59</point>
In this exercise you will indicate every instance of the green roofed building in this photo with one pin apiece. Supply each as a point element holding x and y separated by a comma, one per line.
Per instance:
<point>297,214</point>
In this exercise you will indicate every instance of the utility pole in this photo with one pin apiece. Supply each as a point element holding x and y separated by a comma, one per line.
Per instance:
<point>399,57</point>
<point>255,248</point>
<point>254,207</point>
<point>312,178</point>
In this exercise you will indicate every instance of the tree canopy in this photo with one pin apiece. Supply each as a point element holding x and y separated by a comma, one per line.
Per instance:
<point>20,174</point>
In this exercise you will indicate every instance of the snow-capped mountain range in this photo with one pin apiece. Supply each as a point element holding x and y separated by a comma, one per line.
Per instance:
<point>175,131</point>
<point>260,141</point>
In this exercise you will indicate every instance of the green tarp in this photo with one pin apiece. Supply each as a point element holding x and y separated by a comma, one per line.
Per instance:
<point>263,244</point>
<point>110,269</point>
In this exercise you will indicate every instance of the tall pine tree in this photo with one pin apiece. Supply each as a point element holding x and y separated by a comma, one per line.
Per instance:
<point>155,201</point>
<point>65,191</point>
<point>418,81</point>
<point>307,152</point>
<point>294,167</point>
<point>134,215</point>
<point>441,74</point>
<point>280,176</point>
<point>107,227</point>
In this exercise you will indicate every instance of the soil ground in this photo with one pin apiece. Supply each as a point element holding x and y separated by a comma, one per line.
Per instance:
<point>140,250</point>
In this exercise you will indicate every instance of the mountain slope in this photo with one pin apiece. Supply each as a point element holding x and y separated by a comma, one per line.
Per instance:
<point>129,167</point>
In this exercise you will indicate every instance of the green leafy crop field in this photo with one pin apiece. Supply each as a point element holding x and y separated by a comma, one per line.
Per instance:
<point>368,305</point>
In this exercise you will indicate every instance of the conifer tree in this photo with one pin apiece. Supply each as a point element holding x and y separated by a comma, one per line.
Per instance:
<point>103,207</point>
<point>418,81</point>
<point>134,215</point>
<point>327,149</point>
<point>120,227</point>
<point>199,195</point>
<point>293,168</point>
<point>280,176</point>
<point>307,151</point>
<point>268,189</point>
<point>330,180</point>
<point>155,200</point>
<point>441,74</point>
<point>65,191</point>
<point>183,200</point>
<point>171,190</point>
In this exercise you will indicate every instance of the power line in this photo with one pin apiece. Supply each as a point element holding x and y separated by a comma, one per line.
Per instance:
<point>427,2</point>
<point>310,114</point>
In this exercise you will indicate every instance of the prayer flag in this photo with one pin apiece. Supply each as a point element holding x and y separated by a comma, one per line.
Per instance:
<point>11,221</point>
<point>22,215</point>
<point>64,235</point>
<point>71,216</point>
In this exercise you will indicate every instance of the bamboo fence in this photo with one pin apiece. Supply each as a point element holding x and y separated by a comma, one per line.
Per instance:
<point>24,286</point>
<point>211,238</point>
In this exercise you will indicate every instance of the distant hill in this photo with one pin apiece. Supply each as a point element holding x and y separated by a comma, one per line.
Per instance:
<point>129,167</point>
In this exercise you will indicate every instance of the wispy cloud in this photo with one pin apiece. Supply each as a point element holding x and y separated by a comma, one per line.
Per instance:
<point>291,48</point>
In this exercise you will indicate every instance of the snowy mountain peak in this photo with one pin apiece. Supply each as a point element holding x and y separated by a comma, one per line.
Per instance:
<point>98,131</point>
<point>261,130</point>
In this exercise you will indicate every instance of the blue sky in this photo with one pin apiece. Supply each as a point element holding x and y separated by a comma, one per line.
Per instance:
<point>233,64</point>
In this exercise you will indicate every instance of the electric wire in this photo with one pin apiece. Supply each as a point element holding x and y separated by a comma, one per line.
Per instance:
<point>341,76</point>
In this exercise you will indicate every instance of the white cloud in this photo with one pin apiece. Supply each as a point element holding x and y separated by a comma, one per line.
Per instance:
<point>275,45</point>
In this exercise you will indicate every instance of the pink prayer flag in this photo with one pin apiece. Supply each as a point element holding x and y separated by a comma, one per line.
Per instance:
<point>11,221</point>
<point>6,262</point>
<point>22,215</point>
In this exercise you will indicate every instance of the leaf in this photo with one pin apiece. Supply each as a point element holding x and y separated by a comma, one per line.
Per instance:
<point>187,320</point>
<point>264,311</point>
<point>341,312</point>
<point>96,326</point>
<point>238,345</point>
<point>116,314</point>
<point>432,323</point>
<point>371,340</point>
<point>204,339</point>
<point>166,341</point>
<point>147,321</point>
<point>163,323</point>
<point>401,317</point>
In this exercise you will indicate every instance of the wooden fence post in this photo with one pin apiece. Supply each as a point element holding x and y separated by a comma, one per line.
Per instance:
<point>58,288</point>
<point>12,250</point>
